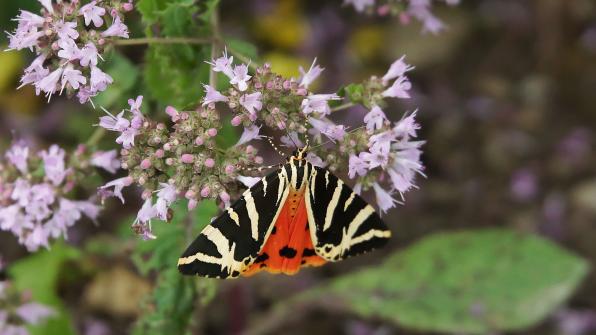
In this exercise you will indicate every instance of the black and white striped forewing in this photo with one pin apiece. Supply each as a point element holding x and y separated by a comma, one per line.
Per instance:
<point>228,245</point>
<point>342,224</point>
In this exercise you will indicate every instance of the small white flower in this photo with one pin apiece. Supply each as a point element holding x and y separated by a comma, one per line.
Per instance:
<point>313,73</point>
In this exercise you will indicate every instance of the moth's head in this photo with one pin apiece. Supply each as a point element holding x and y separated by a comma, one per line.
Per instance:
<point>300,154</point>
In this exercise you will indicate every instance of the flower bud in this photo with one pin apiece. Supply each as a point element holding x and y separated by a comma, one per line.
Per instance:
<point>199,140</point>
<point>205,192</point>
<point>187,158</point>
<point>236,121</point>
<point>192,204</point>
<point>127,6</point>
<point>159,153</point>
<point>212,132</point>
<point>145,164</point>
<point>169,161</point>
<point>209,162</point>
<point>230,169</point>
<point>146,194</point>
<point>190,194</point>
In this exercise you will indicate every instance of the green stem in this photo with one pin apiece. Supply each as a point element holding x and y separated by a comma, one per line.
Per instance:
<point>95,137</point>
<point>163,40</point>
<point>214,46</point>
<point>343,106</point>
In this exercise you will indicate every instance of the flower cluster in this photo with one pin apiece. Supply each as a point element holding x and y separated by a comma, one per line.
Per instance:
<point>405,10</point>
<point>182,159</point>
<point>179,161</point>
<point>17,311</point>
<point>379,151</point>
<point>36,203</point>
<point>69,39</point>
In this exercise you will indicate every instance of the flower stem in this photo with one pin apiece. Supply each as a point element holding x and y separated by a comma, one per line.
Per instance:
<point>163,40</point>
<point>95,137</point>
<point>343,106</point>
<point>214,46</point>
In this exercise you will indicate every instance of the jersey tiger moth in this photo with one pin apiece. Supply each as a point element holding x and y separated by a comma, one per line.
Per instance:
<point>299,215</point>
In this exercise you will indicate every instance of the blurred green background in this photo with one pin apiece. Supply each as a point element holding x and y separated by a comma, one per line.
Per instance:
<point>498,239</point>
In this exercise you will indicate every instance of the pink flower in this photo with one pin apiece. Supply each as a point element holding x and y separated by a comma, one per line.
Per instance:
<point>249,134</point>
<point>375,158</point>
<point>69,49</point>
<point>399,89</point>
<point>118,185</point>
<point>135,105</point>
<point>315,160</point>
<point>107,160</point>
<point>114,123</point>
<point>308,77</point>
<point>407,127</point>
<point>252,103</point>
<point>405,165</point>
<point>318,103</point>
<point>24,38</point>
<point>329,129</point>
<point>375,119</point>
<point>18,155</point>
<point>248,181</point>
<point>223,64</point>
<point>66,30</point>
<point>117,29</point>
<point>35,72</point>
<point>127,138</point>
<point>92,12</point>
<point>29,20</point>
<point>166,195</point>
<point>240,77</point>
<point>397,69</point>
<point>53,161</point>
<point>34,313</point>
<point>146,213</point>
<point>357,165</point>
<point>49,84</point>
<point>212,95</point>
<point>48,5</point>
<point>89,55</point>
<point>292,140</point>
<point>384,198</point>
<point>99,80</point>
<point>72,77</point>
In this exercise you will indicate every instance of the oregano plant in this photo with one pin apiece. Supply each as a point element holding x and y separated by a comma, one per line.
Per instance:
<point>196,132</point>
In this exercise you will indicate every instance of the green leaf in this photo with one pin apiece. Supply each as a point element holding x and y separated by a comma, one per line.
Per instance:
<point>125,75</point>
<point>39,274</point>
<point>174,75</point>
<point>354,92</point>
<point>467,282</point>
<point>243,47</point>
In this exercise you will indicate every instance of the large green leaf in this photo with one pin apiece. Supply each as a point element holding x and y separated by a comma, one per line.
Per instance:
<point>39,274</point>
<point>467,282</point>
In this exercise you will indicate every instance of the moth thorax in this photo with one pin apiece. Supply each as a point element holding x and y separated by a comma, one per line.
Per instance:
<point>295,197</point>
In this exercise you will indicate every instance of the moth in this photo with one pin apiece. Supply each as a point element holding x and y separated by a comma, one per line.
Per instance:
<point>299,215</point>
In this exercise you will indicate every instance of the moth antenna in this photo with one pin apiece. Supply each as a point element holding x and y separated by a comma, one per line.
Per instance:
<point>287,132</point>
<point>281,153</point>
<point>260,168</point>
